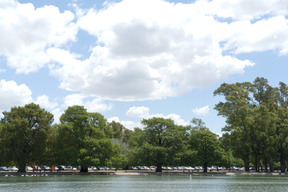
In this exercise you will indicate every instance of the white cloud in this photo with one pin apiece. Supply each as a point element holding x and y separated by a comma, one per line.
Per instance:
<point>140,112</point>
<point>202,111</point>
<point>57,114</point>
<point>128,124</point>
<point>12,94</point>
<point>44,102</point>
<point>97,105</point>
<point>92,105</point>
<point>247,9</point>
<point>168,52</point>
<point>144,50</point>
<point>176,118</point>
<point>73,99</point>
<point>266,34</point>
<point>143,113</point>
<point>26,33</point>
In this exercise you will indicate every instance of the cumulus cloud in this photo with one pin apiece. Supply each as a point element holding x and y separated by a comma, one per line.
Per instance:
<point>173,49</point>
<point>57,114</point>
<point>143,113</point>
<point>128,124</point>
<point>143,50</point>
<point>27,33</point>
<point>92,105</point>
<point>176,118</point>
<point>202,111</point>
<point>44,102</point>
<point>140,112</point>
<point>12,94</point>
<point>245,9</point>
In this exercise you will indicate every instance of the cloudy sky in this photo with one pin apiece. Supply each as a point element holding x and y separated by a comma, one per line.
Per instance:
<point>136,59</point>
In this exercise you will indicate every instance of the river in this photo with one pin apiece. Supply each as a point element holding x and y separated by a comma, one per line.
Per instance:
<point>153,183</point>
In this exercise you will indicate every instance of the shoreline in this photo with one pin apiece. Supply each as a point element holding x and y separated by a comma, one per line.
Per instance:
<point>31,174</point>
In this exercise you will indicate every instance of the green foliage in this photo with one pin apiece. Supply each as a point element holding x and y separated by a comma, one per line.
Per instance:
<point>205,143</point>
<point>158,143</point>
<point>256,116</point>
<point>24,134</point>
<point>85,139</point>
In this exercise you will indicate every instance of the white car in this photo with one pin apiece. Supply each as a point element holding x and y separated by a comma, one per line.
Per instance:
<point>28,168</point>
<point>13,168</point>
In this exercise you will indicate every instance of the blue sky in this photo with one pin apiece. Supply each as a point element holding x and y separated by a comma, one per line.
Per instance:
<point>136,59</point>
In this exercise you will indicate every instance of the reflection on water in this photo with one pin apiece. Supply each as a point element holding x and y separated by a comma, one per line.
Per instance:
<point>152,183</point>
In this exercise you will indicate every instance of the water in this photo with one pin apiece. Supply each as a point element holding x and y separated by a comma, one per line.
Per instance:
<point>151,183</point>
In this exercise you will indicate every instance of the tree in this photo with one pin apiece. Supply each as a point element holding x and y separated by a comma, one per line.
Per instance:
<point>3,158</point>
<point>24,134</point>
<point>85,139</point>
<point>205,143</point>
<point>158,143</point>
<point>238,110</point>
<point>282,125</point>
<point>120,132</point>
<point>256,116</point>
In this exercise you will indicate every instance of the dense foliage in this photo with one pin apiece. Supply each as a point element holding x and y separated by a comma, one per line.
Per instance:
<point>256,135</point>
<point>256,116</point>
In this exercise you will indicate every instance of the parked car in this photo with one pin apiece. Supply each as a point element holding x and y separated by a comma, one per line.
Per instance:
<point>13,168</point>
<point>234,168</point>
<point>46,168</point>
<point>190,168</point>
<point>132,168</point>
<point>198,168</point>
<point>252,169</point>
<point>61,168</point>
<point>3,168</point>
<point>28,168</point>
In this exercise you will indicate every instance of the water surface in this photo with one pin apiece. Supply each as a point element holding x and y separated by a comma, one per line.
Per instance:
<point>153,183</point>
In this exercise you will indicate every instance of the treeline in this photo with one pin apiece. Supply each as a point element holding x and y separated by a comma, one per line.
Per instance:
<point>28,137</point>
<point>256,135</point>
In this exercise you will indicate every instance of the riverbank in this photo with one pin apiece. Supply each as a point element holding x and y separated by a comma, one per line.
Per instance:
<point>124,173</point>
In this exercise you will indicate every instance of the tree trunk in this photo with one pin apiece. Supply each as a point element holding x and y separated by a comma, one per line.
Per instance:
<point>246,165</point>
<point>257,162</point>
<point>205,165</point>
<point>266,165</point>
<point>84,169</point>
<point>282,161</point>
<point>22,167</point>
<point>271,165</point>
<point>159,168</point>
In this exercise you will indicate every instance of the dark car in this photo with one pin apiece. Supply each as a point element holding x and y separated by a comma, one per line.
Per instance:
<point>46,168</point>
<point>61,167</point>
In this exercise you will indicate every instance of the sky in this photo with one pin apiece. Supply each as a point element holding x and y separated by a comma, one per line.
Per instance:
<point>135,59</point>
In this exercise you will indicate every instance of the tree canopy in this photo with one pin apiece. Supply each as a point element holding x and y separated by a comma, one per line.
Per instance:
<point>24,134</point>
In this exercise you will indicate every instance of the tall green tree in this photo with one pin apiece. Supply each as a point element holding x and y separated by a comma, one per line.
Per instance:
<point>24,134</point>
<point>85,139</point>
<point>282,126</point>
<point>205,143</point>
<point>158,143</point>
<point>238,110</point>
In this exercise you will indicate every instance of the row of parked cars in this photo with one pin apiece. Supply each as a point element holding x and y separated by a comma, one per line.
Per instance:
<point>4,168</point>
<point>182,168</point>
<point>41,168</point>
<point>93,168</point>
